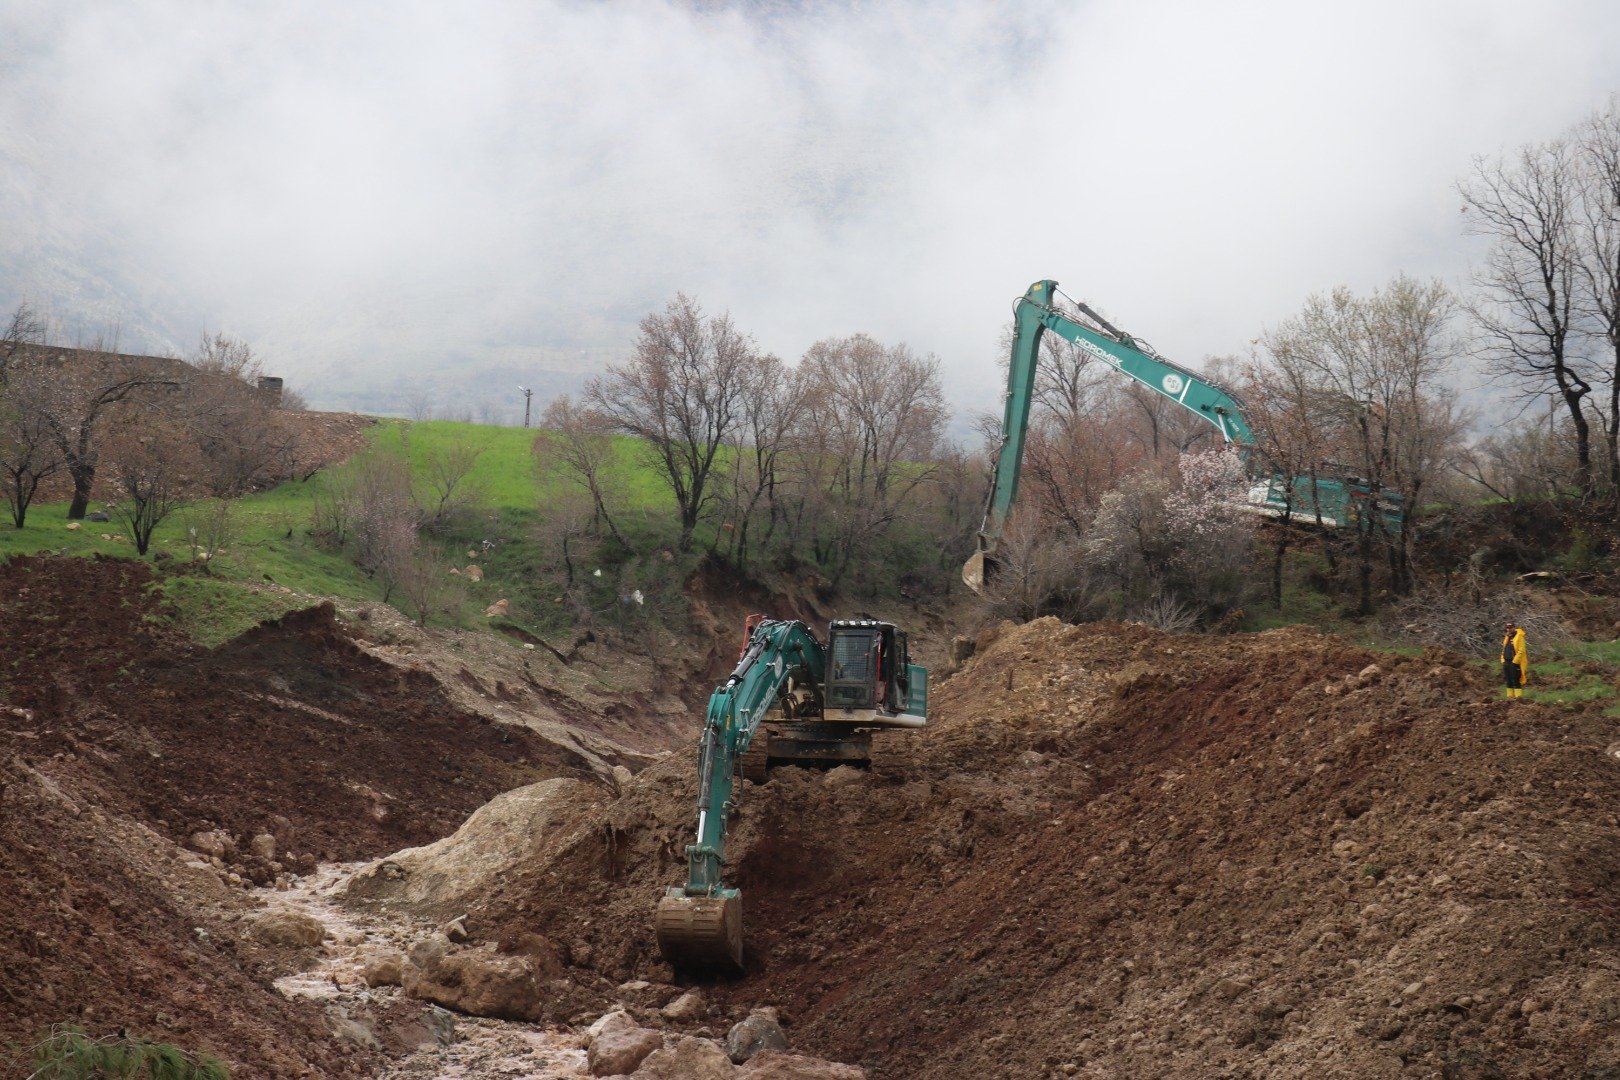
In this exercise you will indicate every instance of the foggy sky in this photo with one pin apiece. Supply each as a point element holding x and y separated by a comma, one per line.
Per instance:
<point>384,193</point>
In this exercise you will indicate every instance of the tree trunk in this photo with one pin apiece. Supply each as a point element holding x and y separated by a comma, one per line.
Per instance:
<point>1364,552</point>
<point>1583,442</point>
<point>1613,432</point>
<point>1279,554</point>
<point>84,477</point>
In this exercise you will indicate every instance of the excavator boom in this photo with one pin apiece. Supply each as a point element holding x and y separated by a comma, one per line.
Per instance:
<point>1335,502</point>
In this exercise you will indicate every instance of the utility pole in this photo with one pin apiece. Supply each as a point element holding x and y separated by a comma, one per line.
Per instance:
<point>527,394</point>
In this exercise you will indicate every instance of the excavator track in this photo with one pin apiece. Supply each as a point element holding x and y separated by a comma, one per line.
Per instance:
<point>700,931</point>
<point>753,764</point>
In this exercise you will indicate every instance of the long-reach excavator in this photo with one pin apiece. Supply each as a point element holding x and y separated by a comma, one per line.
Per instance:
<point>1332,502</point>
<point>790,700</point>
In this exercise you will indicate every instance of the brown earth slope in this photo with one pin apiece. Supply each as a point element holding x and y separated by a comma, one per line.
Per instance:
<point>118,738</point>
<point>1117,853</point>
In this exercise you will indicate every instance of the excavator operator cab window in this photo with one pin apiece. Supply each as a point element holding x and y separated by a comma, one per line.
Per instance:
<point>855,658</point>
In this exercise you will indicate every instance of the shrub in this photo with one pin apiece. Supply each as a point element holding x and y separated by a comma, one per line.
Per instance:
<point>68,1053</point>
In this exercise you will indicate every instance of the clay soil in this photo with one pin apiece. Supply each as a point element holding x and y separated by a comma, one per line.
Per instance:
<point>119,740</point>
<point>1117,853</point>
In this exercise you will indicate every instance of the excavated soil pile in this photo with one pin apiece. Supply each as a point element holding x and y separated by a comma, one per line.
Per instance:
<point>280,749</point>
<point>1119,853</point>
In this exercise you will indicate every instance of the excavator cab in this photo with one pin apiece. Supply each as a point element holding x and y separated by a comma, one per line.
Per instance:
<point>869,675</point>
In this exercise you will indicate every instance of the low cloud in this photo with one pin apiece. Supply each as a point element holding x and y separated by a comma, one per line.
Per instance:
<point>393,195</point>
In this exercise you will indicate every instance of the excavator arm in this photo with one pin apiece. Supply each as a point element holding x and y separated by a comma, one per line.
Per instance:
<point>1037,312</point>
<point>1336,502</point>
<point>701,922</point>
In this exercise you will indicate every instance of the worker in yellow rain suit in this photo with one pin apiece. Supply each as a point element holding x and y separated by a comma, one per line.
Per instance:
<point>1515,661</point>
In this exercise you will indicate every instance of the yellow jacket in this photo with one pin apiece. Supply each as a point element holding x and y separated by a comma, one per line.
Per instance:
<point>1514,652</point>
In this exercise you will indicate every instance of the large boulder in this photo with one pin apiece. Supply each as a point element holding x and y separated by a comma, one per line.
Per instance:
<point>777,1065</point>
<point>440,879</point>
<point>689,1059</point>
<point>620,1046</point>
<point>758,1031</point>
<point>214,844</point>
<point>686,1009</point>
<point>474,981</point>
<point>383,967</point>
<point>285,926</point>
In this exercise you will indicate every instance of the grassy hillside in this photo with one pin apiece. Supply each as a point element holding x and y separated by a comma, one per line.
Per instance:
<point>273,546</point>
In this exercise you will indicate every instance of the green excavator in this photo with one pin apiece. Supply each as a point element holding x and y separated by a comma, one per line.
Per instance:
<point>790,701</point>
<point>1335,502</point>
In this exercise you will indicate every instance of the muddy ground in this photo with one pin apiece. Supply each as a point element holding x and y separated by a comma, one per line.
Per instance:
<point>1114,853</point>
<point>121,741</point>
<point>1117,853</point>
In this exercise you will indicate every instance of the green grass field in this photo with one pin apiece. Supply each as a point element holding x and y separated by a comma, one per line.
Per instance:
<point>273,541</point>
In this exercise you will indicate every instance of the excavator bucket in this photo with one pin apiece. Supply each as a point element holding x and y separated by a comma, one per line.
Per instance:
<point>978,570</point>
<point>700,931</point>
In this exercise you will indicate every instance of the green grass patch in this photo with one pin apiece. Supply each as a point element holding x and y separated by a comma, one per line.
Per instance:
<point>212,611</point>
<point>1587,688</point>
<point>1601,652</point>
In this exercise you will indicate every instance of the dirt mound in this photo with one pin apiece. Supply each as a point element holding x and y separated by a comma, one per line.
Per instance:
<point>1269,855</point>
<point>285,747</point>
<point>104,927</point>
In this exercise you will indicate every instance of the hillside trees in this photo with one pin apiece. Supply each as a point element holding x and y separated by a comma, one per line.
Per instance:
<point>820,459</point>
<point>1548,292</point>
<point>578,441</point>
<point>86,386</point>
<point>679,393</point>
<point>873,418</point>
<point>61,407</point>
<point>775,401</point>
<point>1183,539</point>
<point>1374,369</point>
<point>238,428</point>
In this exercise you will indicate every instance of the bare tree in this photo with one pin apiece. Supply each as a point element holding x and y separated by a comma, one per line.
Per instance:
<point>773,402</point>
<point>210,527</point>
<point>1038,574</point>
<point>873,419</point>
<point>367,506</point>
<point>89,385</point>
<point>29,452</point>
<point>25,327</point>
<point>427,588</point>
<point>446,473</point>
<point>156,467</point>
<point>1374,370</point>
<point>241,436</point>
<point>1068,380</point>
<point>419,403</point>
<point>1526,206</point>
<point>579,441</point>
<point>227,356</point>
<point>679,394</point>
<point>1163,426</point>
<point>1292,426</point>
<point>1597,159</point>
<point>1531,461</point>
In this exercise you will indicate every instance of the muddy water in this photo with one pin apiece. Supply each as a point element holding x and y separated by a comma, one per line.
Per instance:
<point>466,1048</point>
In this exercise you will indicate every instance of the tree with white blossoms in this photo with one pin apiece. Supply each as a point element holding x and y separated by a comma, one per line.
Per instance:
<point>1185,539</point>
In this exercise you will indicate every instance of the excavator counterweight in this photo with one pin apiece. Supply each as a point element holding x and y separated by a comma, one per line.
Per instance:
<point>821,704</point>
